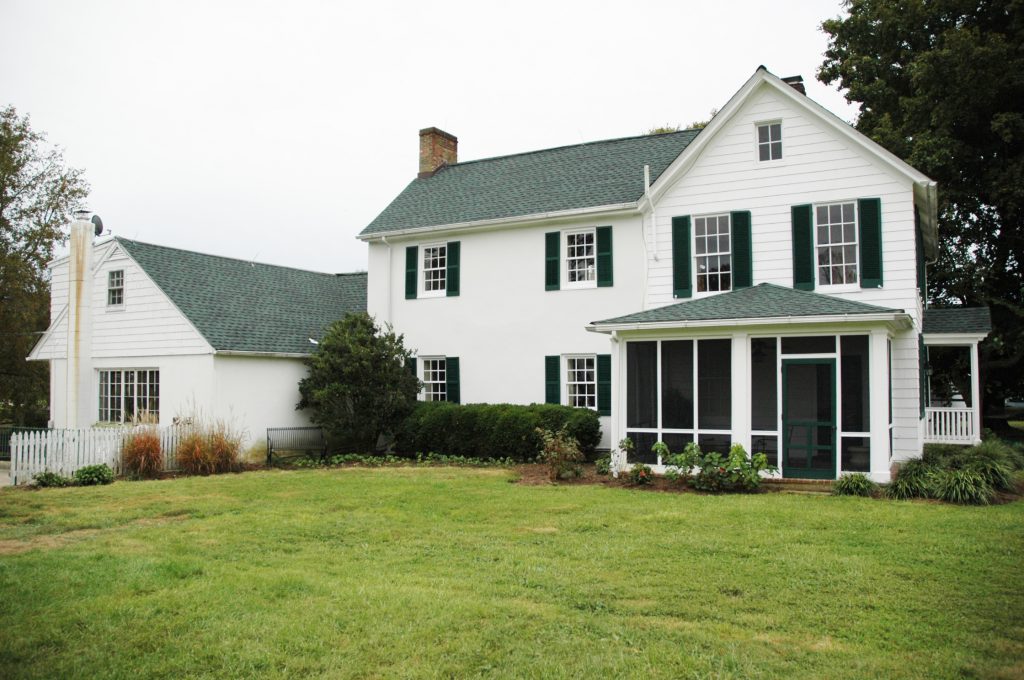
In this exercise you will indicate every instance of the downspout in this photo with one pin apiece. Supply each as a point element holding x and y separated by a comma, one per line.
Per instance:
<point>654,237</point>
<point>384,240</point>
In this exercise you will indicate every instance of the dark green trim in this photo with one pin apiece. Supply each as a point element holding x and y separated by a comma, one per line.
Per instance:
<point>869,213</point>
<point>452,275</point>
<point>410,365</point>
<point>806,473</point>
<point>742,251</point>
<point>412,255</point>
<point>552,379</point>
<point>552,245</point>
<point>451,379</point>
<point>803,247</point>
<point>682,278</point>
<point>604,384</point>
<point>604,257</point>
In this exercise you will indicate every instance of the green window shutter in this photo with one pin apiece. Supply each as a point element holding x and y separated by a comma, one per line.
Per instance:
<point>742,251</point>
<point>682,286</point>
<point>604,257</point>
<point>451,375</point>
<point>803,248</point>
<point>552,380</point>
<point>412,255</point>
<point>604,384</point>
<point>552,240</point>
<point>452,275</point>
<point>869,212</point>
<point>410,365</point>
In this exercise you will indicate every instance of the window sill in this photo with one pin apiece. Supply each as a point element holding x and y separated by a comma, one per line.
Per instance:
<point>839,288</point>
<point>432,294</point>
<point>578,285</point>
<point>115,308</point>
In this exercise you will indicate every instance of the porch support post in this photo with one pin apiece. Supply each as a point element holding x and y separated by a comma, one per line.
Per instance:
<point>741,390</point>
<point>879,396</point>
<point>975,395</point>
<point>619,397</point>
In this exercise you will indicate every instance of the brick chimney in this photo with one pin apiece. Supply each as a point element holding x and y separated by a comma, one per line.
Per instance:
<point>797,83</point>
<point>437,149</point>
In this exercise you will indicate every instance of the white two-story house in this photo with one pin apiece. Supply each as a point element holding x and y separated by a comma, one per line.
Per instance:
<point>759,281</point>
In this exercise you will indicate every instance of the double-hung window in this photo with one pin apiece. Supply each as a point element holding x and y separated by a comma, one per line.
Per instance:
<point>126,394</point>
<point>580,259</point>
<point>432,270</point>
<point>115,288</point>
<point>714,253</point>
<point>769,141</point>
<point>435,269</point>
<point>581,381</point>
<point>836,243</point>
<point>440,378</point>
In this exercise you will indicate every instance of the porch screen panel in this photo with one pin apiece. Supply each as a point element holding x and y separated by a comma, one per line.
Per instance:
<point>766,444</point>
<point>856,454</point>
<point>714,384</point>
<point>642,443</point>
<point>677,384</point>
<point>854,380</point>
<point>764,380</point>
<point>641,384</point>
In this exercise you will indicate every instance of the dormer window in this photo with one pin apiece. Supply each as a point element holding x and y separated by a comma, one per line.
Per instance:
<point>769,141</point>
<point>115,288</point>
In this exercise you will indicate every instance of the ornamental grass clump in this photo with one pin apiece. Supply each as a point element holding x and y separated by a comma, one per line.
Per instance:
<point>209,448</point>
<point>193,454</point>
<point>140,452</point>
<point>856,484</point>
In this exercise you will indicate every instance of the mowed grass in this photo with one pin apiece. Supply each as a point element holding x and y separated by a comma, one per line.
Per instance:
<point>447,572</point>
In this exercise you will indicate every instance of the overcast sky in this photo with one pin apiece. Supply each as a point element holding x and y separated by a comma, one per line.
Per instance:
<point>276,131</point>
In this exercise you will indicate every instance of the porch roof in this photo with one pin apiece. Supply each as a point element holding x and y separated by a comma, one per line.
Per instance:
<point>958,321</point>
<point>764,301</point>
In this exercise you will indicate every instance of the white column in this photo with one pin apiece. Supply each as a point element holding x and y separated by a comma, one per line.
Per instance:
<point>975,395</point>
<point>618,419</point>
<point>878,389</point>
<point>741,390</point>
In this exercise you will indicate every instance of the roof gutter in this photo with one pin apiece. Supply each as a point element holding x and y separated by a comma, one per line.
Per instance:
<point>266,355</point>
<point>497,223</point>
<point>896,319</point>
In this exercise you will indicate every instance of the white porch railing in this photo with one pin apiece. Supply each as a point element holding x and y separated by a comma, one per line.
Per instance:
<point>64,451</point>
<point>950,426</point>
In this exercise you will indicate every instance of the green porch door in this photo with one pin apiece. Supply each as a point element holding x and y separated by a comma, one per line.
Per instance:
<point>809,418</point>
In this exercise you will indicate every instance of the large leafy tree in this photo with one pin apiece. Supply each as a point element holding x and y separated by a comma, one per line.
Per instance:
<point>941,84</point>
<point>37,195</point>
<point>358,386</point>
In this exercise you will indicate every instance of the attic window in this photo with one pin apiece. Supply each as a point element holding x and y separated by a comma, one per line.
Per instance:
<point>115,288</point>
<point>769,141</point>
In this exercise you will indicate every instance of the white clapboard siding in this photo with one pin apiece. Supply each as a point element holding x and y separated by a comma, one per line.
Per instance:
<point>65,451</point>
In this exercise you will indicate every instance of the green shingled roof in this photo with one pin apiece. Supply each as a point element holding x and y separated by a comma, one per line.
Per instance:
<point>565,178</point>
<point>958,320</point>
<point>247,306</point>
<point>764,301</point>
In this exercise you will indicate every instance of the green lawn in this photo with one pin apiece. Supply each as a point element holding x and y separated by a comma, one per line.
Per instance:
<point>450,572</point>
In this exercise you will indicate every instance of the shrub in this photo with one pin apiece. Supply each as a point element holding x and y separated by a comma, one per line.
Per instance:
<point>225,447</point>
<point>92,475</point>
<point>996,474</point>
<point>193,454</point>
<point>641,474</point>
<point>561,454</point>
<point>735,472</point>
<point>914,479</point>
<point>493,430</point>
<point>964,486</point>
<point>209,449</point>
<point>856,484</point>
<point>140,453</point>
<point>603,465</point>
<point>51,480</point>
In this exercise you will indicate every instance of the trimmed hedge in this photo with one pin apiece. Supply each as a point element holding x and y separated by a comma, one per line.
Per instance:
<point>493,430</point>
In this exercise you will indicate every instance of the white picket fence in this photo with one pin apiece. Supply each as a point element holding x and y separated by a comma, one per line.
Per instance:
<point>64,451</point>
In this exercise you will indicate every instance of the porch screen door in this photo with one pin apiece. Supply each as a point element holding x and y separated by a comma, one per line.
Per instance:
<point>809,418</point>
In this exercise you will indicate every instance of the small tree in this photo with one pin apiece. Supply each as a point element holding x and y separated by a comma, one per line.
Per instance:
<point>358,386</point>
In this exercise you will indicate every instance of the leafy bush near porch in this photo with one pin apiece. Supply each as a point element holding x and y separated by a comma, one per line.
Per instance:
<point>715,473</point>
<point>49,480</point>
<point>94,475</point>
<point>856,484</point>
<point>493,430</point>
<point>561,453</point>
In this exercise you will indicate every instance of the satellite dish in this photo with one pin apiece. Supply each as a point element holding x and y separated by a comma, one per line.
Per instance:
<point>99,224</point>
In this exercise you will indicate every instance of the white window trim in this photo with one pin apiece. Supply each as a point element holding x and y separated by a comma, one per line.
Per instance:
<point>424,293</point>
<point>566,400</point>
<point>115,306</point>
<point>757,143</point>
<point>564,264</point>
<point>421,364</point>
<point>694,256</point>
<point>836,287</point>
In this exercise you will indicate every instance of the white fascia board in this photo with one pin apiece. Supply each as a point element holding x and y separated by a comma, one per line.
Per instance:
<point>265,355</point>
<point>896,321</point>
<point>34,354</point>
<point>762,77</point>
<point>953,339</point>
<point>502,222</point>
